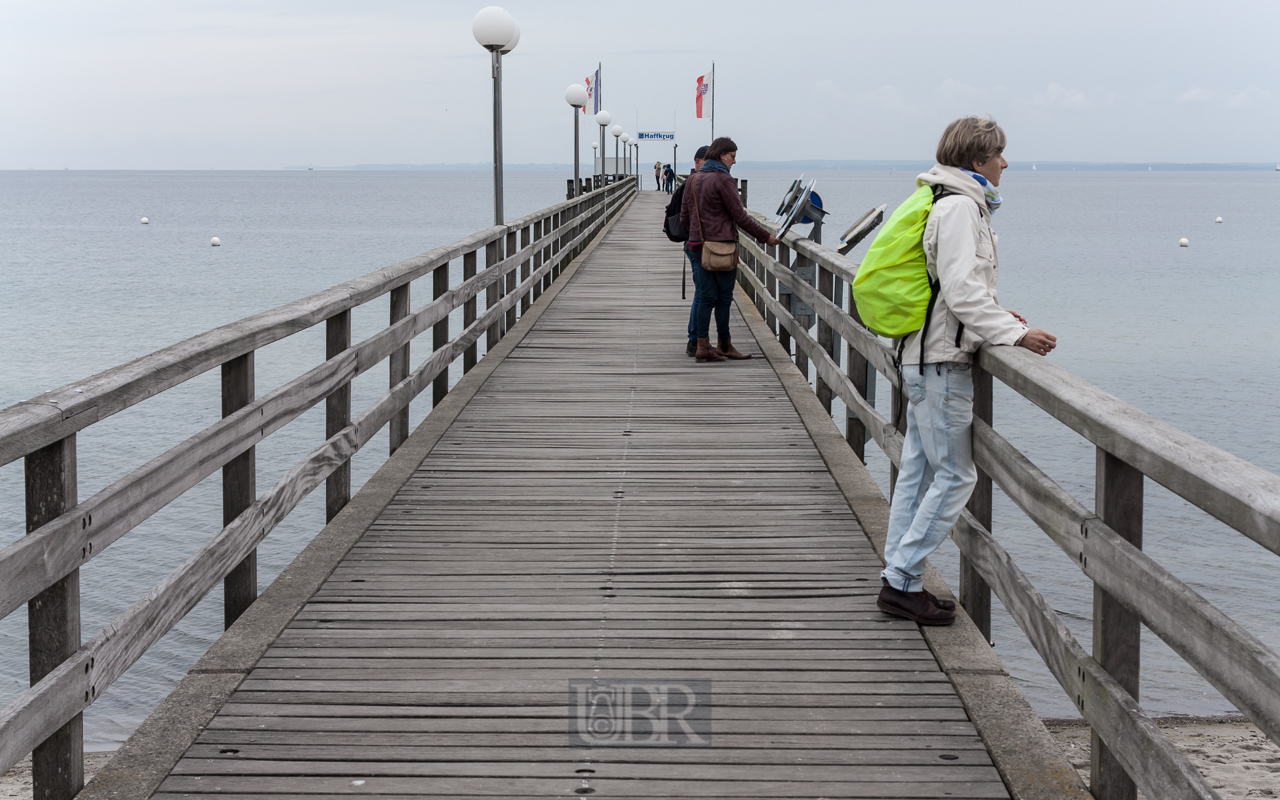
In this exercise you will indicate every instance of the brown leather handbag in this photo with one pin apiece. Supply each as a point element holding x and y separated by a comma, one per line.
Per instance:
<point>716,256</point>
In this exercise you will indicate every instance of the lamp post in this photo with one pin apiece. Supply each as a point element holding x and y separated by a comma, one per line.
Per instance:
<point>616,130</point>
<point>576,96</point>
<point>496,31</point>
<point>603,118</point>
<point>626,148</point>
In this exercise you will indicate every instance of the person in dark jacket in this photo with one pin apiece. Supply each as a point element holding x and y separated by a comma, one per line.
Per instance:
<point>716,218</point>
<point>675,207</point>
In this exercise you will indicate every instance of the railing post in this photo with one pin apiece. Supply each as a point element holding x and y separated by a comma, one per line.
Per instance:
<point>826,288</point>
<point>898,408</point>
<point>771,286</point>
<point>492,255</point>
<point>509,282</point>
<point>975,594</point>
<point>239,489</point>
<point>862,376</point>
<point>537,260</point>
<point>53,620</point>
<point>337,407</point>
<point>440,333</point>
<point>526,269</point>
<point>469,310</point>
<point>1116,629</point>
<point>555,247</point>
<point>784,298</point>
<point>399,368</point>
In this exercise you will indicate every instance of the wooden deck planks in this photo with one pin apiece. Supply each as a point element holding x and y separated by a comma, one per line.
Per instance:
<point>604,508</point>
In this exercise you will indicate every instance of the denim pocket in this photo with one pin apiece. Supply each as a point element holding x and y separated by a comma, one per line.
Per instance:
<point>954,367</point>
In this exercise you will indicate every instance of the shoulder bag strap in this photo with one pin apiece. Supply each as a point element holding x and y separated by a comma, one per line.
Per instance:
<point>696,211</point>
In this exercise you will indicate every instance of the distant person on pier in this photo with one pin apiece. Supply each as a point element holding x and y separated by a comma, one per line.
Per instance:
<point>657,176</point>
<point>937,474</point>
<point>711,211</point>
<point>669,178</point>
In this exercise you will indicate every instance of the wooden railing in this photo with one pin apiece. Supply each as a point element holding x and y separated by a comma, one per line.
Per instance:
<point>1131,589</point>
<point>41,569</point>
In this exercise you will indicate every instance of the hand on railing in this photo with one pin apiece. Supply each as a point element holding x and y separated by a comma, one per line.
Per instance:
<point>1038,341</point>
<point>772,240</point>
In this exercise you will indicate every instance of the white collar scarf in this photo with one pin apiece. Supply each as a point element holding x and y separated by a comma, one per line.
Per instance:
<point>989,190</point>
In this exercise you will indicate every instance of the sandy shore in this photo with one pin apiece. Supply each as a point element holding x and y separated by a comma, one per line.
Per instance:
<point>16,783</point>
<point>1237,758</point>
<point>1239,761</point>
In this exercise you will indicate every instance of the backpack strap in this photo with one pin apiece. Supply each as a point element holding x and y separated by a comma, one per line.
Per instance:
<point>939,192</point>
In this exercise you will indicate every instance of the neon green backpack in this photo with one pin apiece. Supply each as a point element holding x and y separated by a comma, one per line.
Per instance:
<point>892,288</point>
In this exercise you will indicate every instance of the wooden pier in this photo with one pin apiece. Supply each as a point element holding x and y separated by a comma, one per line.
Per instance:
<point>604,508</point>
<point>599,568</point>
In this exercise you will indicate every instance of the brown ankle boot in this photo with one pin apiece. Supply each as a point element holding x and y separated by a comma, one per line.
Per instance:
<point>725,348</point>
<point>915,606</point>
<point>705,352</point>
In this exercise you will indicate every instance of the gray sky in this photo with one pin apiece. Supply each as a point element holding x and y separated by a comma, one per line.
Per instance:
<point>261,85</point>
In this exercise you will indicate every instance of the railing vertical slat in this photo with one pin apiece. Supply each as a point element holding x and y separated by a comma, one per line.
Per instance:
<point>785,298</point>
<point>526,268</point>
<point>239,489</point>
<point>826,288</point>
<point>492,255</point>
<point>555,249</point>
<point>53,619</point>
<point>398,366</point>
<point>975,594</point>
<point>440,332</point>
<point>337,407</point>
<point>537,259</point>
<point>771,285</point>
<point>469,310</point>
<point>862,376</point>
<point>1116,629</point>
<point>509,283</point>
<point>898,410</point>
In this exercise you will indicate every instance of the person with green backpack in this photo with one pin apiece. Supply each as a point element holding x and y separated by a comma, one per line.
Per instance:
<point>929,282</point>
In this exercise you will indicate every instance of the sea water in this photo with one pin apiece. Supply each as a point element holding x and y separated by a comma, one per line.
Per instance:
<point>1182,333</point>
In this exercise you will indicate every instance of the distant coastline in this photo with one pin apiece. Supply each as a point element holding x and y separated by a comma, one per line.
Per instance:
<point>832,165</point>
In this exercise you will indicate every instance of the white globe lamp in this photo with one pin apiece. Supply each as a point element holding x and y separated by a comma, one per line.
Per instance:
<point>496,31</point>
<point>576,95</point>
<point>494,28</point>
<point>515,40</point>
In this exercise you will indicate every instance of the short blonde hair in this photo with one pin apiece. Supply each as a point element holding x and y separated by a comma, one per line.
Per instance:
<point>970,139</point>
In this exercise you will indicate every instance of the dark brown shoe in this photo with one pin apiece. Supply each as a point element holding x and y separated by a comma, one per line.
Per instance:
<point>725,348</point>
<point>945,605</point>
<point>915,606</point>
<point>706,353</point>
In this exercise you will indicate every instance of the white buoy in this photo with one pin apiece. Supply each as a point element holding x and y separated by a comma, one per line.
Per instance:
<point>214,241</point>
<point>1219,219</point>
<point>146,221</point>
<point>1183,243</point>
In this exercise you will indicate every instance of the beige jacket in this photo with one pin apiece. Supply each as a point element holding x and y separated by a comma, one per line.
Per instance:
<point>961,252</point>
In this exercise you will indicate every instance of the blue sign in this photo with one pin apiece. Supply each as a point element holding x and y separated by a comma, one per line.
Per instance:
<point>656,136</point>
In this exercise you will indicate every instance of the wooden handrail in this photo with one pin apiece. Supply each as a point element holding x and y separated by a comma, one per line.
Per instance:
<point>31,424</point>
<point>1241,494</point>
<point>61,546</point>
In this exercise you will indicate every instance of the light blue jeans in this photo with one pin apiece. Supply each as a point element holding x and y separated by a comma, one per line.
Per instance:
<point>937,473</point>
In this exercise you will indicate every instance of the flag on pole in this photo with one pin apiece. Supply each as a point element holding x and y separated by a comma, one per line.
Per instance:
<point>702,100</point>
<point>593,96</point>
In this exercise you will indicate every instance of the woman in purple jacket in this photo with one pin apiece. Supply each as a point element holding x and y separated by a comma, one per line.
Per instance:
<point>718,214</point>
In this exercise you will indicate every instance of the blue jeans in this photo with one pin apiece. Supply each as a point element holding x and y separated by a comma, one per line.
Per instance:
<point>937,473</point>
<point>714,295</point>
<point>697,292</point>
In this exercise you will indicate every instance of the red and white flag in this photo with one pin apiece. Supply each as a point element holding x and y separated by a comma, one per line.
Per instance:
<point>703,98</point>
